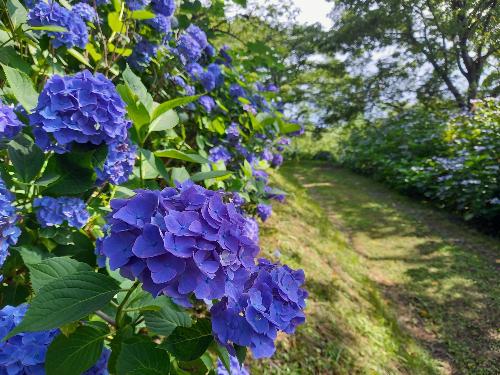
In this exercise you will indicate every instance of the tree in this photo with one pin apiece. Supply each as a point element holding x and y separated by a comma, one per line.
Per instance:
<point>460,39</point>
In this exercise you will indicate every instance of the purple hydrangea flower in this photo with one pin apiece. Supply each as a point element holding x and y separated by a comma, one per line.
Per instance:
<point>210,51</point>
<point>9,232</point>
<point>119,163</point>
<point>215,70</point>
<point>236,91</point>
<point>223,53</point>
<point>207,81</point>
<point>219,153</point>
<point>180,241</point>
<point>137,4</point>
<point>277,160</point>
<point>10,125</point>
<point>51,13</point>
<point>252,229</point>
<point>264,211</point>
<point>207,102</point>
<point>144,51</point>
<point>194,71</point>
<point>163,7</point>
<point>83,108</point>
<point>260,175</point>
<point>23,353</point>
<point>98,2</point>
<point>55,211</point>
<point>233,132</point>
<point>285,141</point>
<point>238,200</point>
<point>272,88</point>
<point>272,300</point>
<point>191,44</point>
<point>85,11</point>
<point>267,155</point>
<point>271,194</point>
<point>234,366</point>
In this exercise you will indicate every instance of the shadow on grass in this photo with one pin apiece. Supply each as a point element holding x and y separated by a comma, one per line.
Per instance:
<point>440,276</point>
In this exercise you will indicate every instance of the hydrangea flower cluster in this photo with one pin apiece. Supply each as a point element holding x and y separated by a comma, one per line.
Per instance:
<point>271,301</point>
<point>191,44</point>
<point>83,108</point>
<point>277,160</point>
<point>144,51</point>
<point>234,366</point>
<point>236,91</point>
<point>137,4</point>
<point>207,103</point>
<point>180,241</point>
<point>119,163</point>
<point>55,211</point>
<point>85,11</point>
<point>163,7</point>
<point>10,125</point>
<point>45,13</point>
<point>219,153</point>
<point>24,353</point>
<point>264,211</point>
<point>160,24</point>
<point>9,232</point>
<point>233,132</point>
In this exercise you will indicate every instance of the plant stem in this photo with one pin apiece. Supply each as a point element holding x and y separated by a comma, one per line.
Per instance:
<point>119,312</point>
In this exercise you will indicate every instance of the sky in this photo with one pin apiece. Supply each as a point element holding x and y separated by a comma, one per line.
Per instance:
<point>312,11</point>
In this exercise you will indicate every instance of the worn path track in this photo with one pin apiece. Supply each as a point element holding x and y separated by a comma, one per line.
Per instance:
<point>437,278</point>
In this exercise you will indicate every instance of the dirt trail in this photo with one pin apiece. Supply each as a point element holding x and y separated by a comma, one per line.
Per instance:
<point>439,276</point>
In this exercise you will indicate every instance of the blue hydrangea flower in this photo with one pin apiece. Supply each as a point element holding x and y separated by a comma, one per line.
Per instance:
<point>51,13</point>
<point>234,366</point>
<point>252,229</point>
<point>137,4</point>
<point>23,353</point>
<point>10,125</point>
<point>233,132</point>
<point>264,211</point>
<point>180,241</point>
<point>119,163</point>
<point>191,44</point>
<point>194,71</point>
<point>85,11</point>
<point>207,81</point>
<point>259,174</point>
<point>284,141</point>
<point>163,7</point>
<point>98,2</point>
<point>267,155</point>
<point>160,23</point>
<point>9,232</point>
<point>83,108</point>
<point>223,52</point>
<point>236,91</point>
<point>55,211</point>
<point>271,194</point>
<point>272,300</point>
<point>207,102</point>
<point>144,51</point>
<point>219,153</point>
<point>277,160</point>
<point>210,51</point>
<point>272,88</point>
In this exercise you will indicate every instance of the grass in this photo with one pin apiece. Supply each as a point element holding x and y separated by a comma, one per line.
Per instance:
<point>395,287</point>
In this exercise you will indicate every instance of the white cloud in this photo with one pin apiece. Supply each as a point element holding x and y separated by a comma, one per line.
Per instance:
<point>312,11</point>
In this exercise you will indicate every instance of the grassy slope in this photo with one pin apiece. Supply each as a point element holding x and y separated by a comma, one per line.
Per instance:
<point>396,288</point>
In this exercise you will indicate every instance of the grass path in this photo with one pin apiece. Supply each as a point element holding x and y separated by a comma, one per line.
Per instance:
<point>396,287</point>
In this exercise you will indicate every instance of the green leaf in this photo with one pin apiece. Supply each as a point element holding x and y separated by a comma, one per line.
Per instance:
<point>241,353</point>
<point>179,175</point>
<point>189,343</point>
<point>137,87</point>
<point>66,299</point>
<point>142,15</point>
<point>76,353</point>
<point>18,13</point>
<point>52,269</point>
<point>167,319</point>
<point>181,155</point>
<point>167,120</point>
<point>171,104</point>
<point>26,157</point>
<point>201,176</point>
<point>9,56</point>
<point>77,55</point>
<point>54,28</point>
<point>142,357</point>
<point>21,87</point>
<point>114,22</point>
<point>288,127</point>
<point>223,356</point>
<point>137,112</point>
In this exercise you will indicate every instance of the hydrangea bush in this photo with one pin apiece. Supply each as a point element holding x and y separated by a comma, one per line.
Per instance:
<point>135,153</point>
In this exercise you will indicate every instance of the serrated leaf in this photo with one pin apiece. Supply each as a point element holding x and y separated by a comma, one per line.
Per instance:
<point>201,176</point>
<point>171,104</point>
<point>181,155</point>
<point>76,353</point>
<point>189,343</point>
<point>67,299</point>
<point>26,157</point>
<point>142,357</point>
<point>167,319</point>
<point>21,87</point>
<point>51,269</point>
